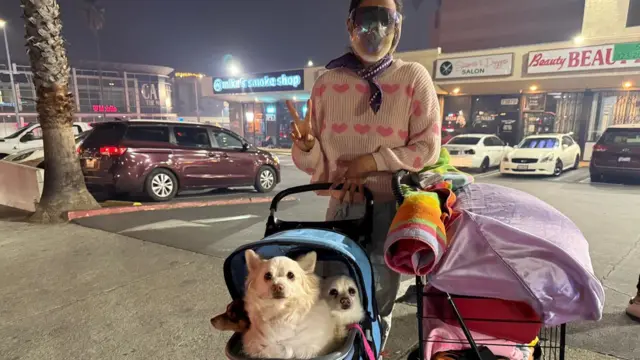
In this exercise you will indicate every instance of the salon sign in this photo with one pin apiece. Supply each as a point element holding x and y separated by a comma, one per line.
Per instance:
<point>474,66</point>
<point>587,58</point>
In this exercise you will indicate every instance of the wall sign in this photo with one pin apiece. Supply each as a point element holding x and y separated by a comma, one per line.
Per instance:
<point>149,93</point>
<point>509,101</point>
<point>576,59</point>
<point>104,109</point>
<point>475,66</point>
<point>276,81</point>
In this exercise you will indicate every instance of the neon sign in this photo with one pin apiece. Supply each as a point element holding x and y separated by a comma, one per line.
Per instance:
<point>279,81</point>
<point>104,108</point>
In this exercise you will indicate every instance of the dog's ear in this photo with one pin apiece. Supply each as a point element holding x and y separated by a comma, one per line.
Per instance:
<point>308,262</point>
<point>253,260</point>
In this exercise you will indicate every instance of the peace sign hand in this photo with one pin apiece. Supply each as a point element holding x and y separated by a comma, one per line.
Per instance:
<point>301,129</point>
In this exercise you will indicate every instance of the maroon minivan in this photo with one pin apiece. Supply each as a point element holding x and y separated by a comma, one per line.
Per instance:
<point>161,158</point>
<point>616,154</point>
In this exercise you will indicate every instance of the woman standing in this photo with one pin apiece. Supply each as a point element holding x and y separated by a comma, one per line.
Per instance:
<point>369,116</point>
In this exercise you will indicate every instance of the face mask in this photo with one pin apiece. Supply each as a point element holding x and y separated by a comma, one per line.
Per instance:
<point>375,33</point>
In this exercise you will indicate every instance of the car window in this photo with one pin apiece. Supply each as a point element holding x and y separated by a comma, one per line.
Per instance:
<point>464,140</point>
<point>36,133</point>
<point>625,137</point>
<point>497,141</point>
<point>487,141</point>
<point>539,143</point>
<point>567,141</point>
<point>105,134</point>
<point>226,140</point>
<point>194,137</point>
<point>76,130</point>
<point>148,133</point>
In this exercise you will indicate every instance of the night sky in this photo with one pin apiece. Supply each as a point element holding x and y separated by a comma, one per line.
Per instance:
<point>194,35</point>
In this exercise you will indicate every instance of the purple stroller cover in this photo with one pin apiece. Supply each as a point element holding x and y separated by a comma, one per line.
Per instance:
<point>510,245</point>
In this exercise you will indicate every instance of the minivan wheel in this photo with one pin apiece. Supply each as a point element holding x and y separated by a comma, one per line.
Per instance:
<point>161,185</point>
<point>557,170</point>
<point>265,180</point>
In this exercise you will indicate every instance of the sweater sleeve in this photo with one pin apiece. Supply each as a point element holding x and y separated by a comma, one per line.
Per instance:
<point>423,143</point>
<point>310,161</point>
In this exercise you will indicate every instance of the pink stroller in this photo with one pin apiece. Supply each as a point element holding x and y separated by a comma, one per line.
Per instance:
<point>514,272</point>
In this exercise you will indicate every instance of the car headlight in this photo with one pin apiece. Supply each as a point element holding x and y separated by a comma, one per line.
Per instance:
<point>548,158</point>
<point>276,160</point>
<point>505,158</point>
<point>22,156</point>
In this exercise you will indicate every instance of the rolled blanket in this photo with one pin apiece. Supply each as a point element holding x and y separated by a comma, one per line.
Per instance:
<point>417,236</point>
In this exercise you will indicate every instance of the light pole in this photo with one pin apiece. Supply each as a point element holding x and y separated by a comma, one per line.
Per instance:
<point>10,68</point>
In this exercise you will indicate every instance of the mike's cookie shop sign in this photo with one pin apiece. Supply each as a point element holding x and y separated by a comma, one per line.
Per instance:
<point>576,59</point>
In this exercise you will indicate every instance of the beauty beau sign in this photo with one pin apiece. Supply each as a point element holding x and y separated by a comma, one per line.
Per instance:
<point>587,58</point>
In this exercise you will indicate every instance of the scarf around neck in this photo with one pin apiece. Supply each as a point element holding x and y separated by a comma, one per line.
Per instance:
<point>369,74</point>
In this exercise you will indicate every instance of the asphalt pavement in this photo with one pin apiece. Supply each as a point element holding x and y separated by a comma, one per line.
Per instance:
<point>606,213</point>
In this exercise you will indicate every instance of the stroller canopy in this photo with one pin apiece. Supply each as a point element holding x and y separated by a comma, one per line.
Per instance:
<point>330,247</point>
<point>510,245</point>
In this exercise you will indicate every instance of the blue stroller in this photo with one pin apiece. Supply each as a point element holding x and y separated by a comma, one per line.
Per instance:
<point>338,244</point>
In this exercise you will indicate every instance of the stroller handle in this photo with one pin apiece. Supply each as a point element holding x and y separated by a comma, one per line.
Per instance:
<point>368,195</point>
<point>396,180</point>
<point>355,229</point>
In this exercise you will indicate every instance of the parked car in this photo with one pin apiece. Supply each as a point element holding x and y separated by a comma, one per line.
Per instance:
<point>161,158</point>
<point>35,157</point>
<point>545,154</point>
<point>30,137</point>
<point>476,151</point>
<point>616,154</point>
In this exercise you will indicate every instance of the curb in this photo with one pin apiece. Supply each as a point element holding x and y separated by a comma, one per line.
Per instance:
<point>277,151</point>
<point>73,215</point>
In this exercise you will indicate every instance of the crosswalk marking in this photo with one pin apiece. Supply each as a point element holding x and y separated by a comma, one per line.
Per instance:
<point>224,219</point>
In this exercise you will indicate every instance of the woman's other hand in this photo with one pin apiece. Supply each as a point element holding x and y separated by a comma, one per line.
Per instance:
<point>353,179</point>
<point>301,129</point>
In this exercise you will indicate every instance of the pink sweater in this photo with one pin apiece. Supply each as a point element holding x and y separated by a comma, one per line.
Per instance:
<point>404,134</point>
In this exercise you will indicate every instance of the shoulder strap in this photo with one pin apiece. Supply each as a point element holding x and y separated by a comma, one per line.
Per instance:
<point>365,343</point>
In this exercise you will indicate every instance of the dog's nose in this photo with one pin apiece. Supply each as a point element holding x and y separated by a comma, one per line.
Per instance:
<point>345,302</point>
<point>277,288</point>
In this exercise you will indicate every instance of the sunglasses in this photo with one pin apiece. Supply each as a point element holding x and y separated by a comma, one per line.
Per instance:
<point>369,16</point>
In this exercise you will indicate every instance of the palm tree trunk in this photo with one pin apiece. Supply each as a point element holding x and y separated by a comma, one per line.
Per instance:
<point>64,187</point>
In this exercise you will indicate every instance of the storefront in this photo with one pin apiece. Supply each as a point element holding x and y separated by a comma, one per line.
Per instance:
<point>257,108</point>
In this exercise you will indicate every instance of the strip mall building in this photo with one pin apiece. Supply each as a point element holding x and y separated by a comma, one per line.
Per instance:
<point>562,86</point>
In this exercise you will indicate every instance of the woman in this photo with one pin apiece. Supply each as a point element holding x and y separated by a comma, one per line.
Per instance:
<point>369,116</point>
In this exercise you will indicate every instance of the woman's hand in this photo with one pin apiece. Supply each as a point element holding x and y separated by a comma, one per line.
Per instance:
<point>353,179</point>
<point>301,129</point>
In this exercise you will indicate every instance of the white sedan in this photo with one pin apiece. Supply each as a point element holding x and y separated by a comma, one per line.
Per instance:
<point>476,151</point>
<point>30,137</point>
<point>548,154</point>
<point>35,156</point>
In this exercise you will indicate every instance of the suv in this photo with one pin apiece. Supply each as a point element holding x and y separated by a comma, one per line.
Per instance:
<point>160,158</point>
<point>30,137</point>
<point>616,153</point>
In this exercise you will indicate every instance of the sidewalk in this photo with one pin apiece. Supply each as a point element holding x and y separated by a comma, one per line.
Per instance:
<point>68,292</point>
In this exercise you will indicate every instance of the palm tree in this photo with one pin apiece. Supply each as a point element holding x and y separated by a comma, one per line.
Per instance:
<point>95,16</point>
<point>64,187</point>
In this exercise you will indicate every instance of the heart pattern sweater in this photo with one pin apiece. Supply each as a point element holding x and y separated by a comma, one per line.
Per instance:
<point>404,134</point>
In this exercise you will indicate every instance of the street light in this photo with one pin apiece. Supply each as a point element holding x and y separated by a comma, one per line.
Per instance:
<point>233,68</point>
<point>10,68</point>
<point>310,63</point>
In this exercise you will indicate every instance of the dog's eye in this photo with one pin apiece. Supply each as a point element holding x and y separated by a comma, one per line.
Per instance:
<point>290,276</point>
<point>352,291</point>
<point>268,276</point>
<point>333,292</point>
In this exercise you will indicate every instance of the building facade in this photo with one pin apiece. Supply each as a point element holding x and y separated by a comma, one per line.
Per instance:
<point>127,91</point>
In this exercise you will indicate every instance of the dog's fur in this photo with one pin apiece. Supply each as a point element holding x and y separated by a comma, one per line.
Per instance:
<point>288,317</point>
<point>341,293</point>
<point>235,318</point>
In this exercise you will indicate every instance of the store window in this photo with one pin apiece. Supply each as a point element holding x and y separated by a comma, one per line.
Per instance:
<point>613,108</point>
<point>192,137</point>
<point>633,16</point>
<point>456,115</point>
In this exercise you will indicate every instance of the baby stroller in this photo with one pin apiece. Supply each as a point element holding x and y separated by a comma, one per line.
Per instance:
<point>338,244</point>
<point>507,282</point>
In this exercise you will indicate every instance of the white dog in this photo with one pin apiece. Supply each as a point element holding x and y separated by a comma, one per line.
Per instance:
<point>341,293</point>
<point>288,317</point>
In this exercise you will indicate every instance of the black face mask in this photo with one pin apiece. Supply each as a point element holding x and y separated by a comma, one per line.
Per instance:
<point>375,31</point>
